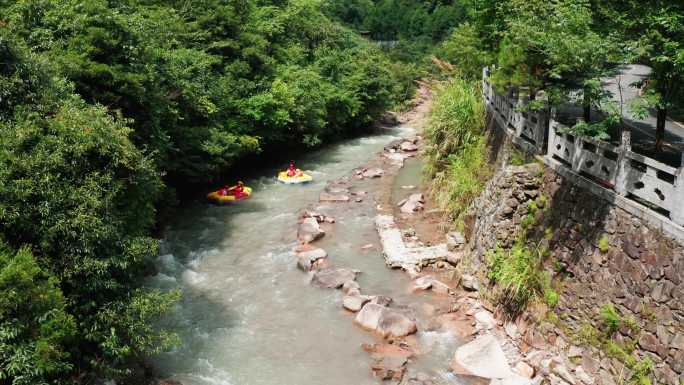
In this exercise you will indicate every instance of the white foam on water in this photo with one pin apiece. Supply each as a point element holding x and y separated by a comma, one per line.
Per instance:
<point>193,278</point>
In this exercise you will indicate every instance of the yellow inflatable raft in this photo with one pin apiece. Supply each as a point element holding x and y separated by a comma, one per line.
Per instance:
<point>216,197</point>
<point>300,178</point>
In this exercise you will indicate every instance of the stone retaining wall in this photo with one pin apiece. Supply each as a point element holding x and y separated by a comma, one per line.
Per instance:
<point>599,254</point>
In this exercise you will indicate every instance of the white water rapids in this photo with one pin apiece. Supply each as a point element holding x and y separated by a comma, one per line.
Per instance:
<point>248,316</point>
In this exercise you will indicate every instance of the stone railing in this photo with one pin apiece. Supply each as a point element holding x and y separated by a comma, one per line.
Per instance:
<point>643,186</point>
<point>527,128</point>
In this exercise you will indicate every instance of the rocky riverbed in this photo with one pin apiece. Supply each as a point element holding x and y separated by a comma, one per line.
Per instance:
<point>430,326</point>
<point>490,349</point>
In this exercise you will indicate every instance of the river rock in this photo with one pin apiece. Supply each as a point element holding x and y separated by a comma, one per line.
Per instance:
<point>483,357</point>
<point>413,203</point>
<point>427,283</point>
<point>394,324</point>
<point>311,260</point>
<point>382,300</point>
<point>313,254</point>
<point>349,286</point>
<point>387,368</point>
<point>309,231</point>
<point>524,369</point>
<point>455,241</point>
<point>332,278</point>
<point>470,283</point>
<point>484,320</point>
<point>354,303</point>
<point>369,316</point>
<point>457,324</point>
<point>385,321</point>
<point>319,217</point>
<point>408,146</point>
<point>421,284</point>
<point>373,173</point>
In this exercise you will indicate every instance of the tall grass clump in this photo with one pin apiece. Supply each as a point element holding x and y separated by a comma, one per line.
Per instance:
<point>456,155</point>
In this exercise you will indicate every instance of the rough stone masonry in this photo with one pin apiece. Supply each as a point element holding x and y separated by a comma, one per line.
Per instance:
<point>602,255</point>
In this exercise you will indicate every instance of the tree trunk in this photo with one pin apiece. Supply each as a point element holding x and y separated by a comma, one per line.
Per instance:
<point>660,128</point>
<point>586,105</point>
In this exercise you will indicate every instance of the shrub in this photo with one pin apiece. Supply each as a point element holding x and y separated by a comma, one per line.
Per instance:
<point>456,155</point>
<point>610,318</point>
<point>551,297</point>
<point>35,327</point>
<point>518,274</point>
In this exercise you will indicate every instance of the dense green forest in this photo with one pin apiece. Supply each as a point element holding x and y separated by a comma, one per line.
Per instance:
<point>108,107</point>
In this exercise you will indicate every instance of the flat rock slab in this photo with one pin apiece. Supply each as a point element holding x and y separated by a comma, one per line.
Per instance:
<point>333,278</point>
<point>397,254</point>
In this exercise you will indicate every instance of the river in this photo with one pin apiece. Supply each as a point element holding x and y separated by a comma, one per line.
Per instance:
<point>248,316</point>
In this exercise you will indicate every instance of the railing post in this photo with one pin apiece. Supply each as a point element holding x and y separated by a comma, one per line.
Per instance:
<point>677,215</point>
<point>552,131</point>
<point>621,179</point>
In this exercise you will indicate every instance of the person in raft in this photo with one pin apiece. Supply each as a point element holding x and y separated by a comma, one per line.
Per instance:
<point>291,171</point>
<point>224,191</point>
<point>239,190</point>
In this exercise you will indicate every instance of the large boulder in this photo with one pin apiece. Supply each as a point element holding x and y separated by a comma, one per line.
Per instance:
<point>333,278</point>
<point>309,231</point>
<point>482,357</point>
<point>311,259</point>
<point>394,324</point>
<point>385,321</point>
<point>369,316</point>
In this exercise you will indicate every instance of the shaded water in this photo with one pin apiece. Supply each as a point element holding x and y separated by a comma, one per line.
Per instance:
<point>248,316</point>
